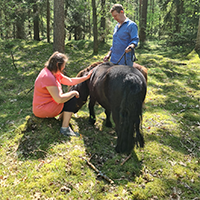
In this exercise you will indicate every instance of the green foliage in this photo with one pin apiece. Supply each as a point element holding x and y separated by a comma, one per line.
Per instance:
<point>180,21</point>
<point>77,18</point>
<point>163,19</point>
<point>36,162</point>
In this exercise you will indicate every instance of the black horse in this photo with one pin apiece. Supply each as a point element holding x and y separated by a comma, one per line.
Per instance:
<point>121,90</point>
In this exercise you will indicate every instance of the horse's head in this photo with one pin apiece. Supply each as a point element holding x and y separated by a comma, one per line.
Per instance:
<point>82,88</point>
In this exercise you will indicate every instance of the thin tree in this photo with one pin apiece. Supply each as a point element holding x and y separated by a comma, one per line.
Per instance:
<point>59,26</point>
<point>36,21</point>
<point>19,16</point>
<point>103,21</point>
<point>48,21</point>
<point>151,16</point>
<point>179,11</point>
<point>29,23</point>
<point>20,32</point>
<point>197,47</point>
<point>95,31</point>
<point>143,20</point>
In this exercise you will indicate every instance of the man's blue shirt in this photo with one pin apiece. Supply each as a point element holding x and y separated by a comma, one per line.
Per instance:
<point>123,36</point>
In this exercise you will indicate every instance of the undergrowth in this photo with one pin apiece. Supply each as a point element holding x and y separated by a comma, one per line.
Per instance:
<point>36,162</point>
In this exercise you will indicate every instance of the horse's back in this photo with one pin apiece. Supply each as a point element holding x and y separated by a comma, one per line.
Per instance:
<point>115,72</point>
<point>127,91</point>
<point>100,71</point>
<point>110,83</point>
<point>115,79</point>
<point>124,78</point>
<point>123,70</point>
<point>142,69</point>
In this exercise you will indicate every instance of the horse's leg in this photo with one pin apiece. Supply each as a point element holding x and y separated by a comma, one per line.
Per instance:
<point>108,122</point>
<point>91,104</point>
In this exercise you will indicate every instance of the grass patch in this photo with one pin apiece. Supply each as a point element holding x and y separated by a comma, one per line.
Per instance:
<point>36,162</point>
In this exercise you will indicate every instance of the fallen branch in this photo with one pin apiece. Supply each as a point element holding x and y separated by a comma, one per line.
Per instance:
<point>97,171</point>
<point>126,159</point>
<point>30,89</point>
<point>72,186</point>
<point>13,60</point>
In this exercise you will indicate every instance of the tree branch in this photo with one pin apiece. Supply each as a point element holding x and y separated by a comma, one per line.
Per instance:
<point>96,170</point>
<point>13,60</point>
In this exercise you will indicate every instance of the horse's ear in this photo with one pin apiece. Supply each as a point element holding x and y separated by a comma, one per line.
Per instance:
<point>80,74</point>
<point>86,70</point>
<point>94,65</point>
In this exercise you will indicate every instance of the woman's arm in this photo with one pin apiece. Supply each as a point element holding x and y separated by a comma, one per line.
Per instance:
<point>61,97</point>
<point>73,81</point>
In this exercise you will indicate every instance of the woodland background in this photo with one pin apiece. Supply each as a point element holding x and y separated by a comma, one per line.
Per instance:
<point>37,162</point>
<point>62,20</point>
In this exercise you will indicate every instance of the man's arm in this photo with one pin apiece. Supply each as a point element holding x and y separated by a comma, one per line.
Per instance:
<point>106,58</point>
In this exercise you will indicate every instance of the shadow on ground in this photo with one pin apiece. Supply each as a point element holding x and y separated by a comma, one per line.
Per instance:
<point>38,136</point>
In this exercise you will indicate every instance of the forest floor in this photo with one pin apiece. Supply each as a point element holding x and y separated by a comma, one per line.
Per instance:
<point>36,162</point>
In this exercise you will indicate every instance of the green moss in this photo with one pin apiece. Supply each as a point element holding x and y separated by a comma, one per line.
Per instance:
<point>36,161</point>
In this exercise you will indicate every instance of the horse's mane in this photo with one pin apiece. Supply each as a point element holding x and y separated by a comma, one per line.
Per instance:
<point>82,72</point>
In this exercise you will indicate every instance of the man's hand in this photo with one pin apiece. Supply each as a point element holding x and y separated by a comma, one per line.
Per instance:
<point>129,48</point>
<point>106,58</point>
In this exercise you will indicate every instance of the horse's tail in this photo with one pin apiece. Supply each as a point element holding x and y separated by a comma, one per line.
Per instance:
<point>130,117</point>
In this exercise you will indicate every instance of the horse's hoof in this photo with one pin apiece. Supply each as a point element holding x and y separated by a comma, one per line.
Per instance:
<point>117,149</point>
<point>108,124</point>
<point>92,121</point>
<point>122,150</point>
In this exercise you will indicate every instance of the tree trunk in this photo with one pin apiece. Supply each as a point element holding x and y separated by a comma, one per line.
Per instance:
<point>95,31</point>
<point>140,12</point>
<point>77,33</point>
<point>137,10</point>
<point>103,22</point>
<point>36,22</point>
<point>89,25</point>
<point>179,7</point>
<point>14,31</point>
<point>197,47</point>
<point>59,26</point>
<point>29,23</point>
<point>151,18</point>
<point>20,33</point>
<point>143,21</point>
<point>1,30</point>
<point>48,21</point>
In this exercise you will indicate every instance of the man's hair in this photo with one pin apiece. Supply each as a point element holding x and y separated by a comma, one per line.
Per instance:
<point>117,7</point>
<point>55,61</point>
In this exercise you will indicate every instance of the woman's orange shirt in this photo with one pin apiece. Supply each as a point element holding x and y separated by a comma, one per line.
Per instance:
<point>44,106</point>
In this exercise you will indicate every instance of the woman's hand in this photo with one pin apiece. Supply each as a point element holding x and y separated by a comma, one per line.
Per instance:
<point>76,94</point>
<point>89,74</point>
<point>76,80</point>
<point>61,97</point>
